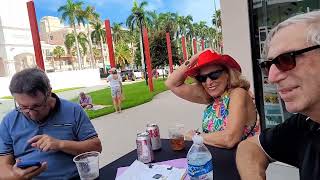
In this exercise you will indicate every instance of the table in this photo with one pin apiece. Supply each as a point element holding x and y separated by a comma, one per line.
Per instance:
<point>224,165</point>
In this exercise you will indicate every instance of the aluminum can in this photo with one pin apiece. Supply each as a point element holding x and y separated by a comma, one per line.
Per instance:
<point>144,150</point>
<point>154,134</point>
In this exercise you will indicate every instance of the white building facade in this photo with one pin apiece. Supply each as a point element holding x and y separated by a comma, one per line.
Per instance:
<point>16,46</point>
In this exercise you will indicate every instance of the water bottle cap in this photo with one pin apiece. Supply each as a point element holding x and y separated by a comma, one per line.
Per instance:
<point>197,139</point>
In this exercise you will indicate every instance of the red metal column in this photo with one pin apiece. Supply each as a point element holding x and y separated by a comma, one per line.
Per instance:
<point>169,52</point>
<point>35,34</point>
<point>148,58</point>
<point>184,50</point>
<point>202,44</point>
<point>194,41</point>
<point>109,43</point>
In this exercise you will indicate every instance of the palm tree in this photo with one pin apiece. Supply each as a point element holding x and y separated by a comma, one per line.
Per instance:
<point>83,41</point>
<point>117,32</point>
<point>139,18</point>
<point>70,42</point>
<point>58,51</point>
<point>168,22</point>
<point>89,15</point>
<point>123,54</point>
<point>70,12</point>
<point>185,22</point>
<point>216,19</point>
<point>98,37</point>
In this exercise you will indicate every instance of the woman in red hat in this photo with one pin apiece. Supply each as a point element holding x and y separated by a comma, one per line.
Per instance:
<point>230,115</point>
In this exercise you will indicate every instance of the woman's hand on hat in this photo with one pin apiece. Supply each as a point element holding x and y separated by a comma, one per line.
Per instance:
<point>189,63</point>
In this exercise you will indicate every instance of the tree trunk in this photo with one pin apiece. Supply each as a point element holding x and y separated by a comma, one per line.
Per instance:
<point>93,65</point>
<point>103,56</point>
<point>141,52</point>
<point>77,46</point>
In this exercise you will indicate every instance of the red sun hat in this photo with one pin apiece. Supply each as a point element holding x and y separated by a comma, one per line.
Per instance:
<point>210,57</point>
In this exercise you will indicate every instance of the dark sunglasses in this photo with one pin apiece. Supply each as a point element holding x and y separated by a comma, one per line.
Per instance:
<point>285,61</point>
<point>213,76</point>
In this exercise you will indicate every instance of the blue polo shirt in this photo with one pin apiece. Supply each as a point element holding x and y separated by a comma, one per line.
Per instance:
<point>67,121</point>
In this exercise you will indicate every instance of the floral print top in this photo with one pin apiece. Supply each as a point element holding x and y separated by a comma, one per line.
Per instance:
<point>215,117</point>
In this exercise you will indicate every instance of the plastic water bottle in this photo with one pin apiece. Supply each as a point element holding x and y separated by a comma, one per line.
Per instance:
<point>199,161</point>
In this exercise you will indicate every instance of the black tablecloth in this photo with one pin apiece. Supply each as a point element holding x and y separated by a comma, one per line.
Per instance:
<point>223,160</point>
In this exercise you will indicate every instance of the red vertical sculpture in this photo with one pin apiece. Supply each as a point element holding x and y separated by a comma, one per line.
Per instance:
<point>194,41</point>
<point>148,59</point>
<point>184,50</point>
<point>202,44</point>
<point>35,34</point>
<point>109,43</point>
<point>169,52</point>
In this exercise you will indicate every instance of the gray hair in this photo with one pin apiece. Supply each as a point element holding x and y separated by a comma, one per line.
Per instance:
<point>313,32</point>
<point>30,81</point>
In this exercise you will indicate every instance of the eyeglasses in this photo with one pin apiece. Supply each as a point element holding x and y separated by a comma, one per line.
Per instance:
<point>114,72</point>
<point>213,76</point>
<point>35,108</point>
<point>285,61</point>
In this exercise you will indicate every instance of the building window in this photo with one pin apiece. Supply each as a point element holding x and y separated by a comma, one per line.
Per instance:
<point>51,37</point>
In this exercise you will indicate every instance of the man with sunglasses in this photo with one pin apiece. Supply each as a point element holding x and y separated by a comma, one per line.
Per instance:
<point>293,65</point>
<point>43,128</point>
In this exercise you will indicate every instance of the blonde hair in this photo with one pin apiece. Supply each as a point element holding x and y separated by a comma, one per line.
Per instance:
<point>236,79</point>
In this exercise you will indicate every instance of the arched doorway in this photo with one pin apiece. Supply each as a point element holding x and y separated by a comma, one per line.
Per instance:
<point>24,60</point>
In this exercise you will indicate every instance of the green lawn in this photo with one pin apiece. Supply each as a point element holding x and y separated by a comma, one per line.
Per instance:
<point>55,91</point>
<point>135,94</point>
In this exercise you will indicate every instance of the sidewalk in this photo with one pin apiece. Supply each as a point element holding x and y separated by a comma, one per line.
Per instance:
<point>118,131</point>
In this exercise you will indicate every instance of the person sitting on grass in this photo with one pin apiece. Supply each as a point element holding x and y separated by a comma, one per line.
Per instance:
<point>85,101</point>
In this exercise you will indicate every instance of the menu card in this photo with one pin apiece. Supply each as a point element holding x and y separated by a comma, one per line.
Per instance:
<point>163,170</point>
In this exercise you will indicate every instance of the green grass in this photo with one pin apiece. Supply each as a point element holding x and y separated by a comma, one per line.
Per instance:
<point>55,91</point>
<point>66,89</point>
<point>135,94</point>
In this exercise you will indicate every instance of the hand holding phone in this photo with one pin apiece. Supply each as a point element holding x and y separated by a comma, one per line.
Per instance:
<point>26,164</point>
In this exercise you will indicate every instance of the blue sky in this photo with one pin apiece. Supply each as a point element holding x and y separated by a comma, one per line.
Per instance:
<point>119,10</point>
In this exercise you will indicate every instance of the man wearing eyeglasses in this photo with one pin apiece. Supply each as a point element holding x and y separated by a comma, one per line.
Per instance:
<point>43,128</point>
<point>293,65</point>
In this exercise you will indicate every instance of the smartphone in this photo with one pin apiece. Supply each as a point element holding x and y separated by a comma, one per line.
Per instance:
<point>26,164</point>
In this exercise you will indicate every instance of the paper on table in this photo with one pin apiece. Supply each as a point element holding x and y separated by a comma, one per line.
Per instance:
<point>177,163</point>
<point>140,171</point>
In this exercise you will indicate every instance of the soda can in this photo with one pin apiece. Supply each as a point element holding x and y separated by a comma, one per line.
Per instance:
<point>154,134</point>
<point>144,150</point>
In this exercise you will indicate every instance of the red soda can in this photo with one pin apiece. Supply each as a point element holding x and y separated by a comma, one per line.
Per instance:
<point>144,150</point>
<point>154,134</point>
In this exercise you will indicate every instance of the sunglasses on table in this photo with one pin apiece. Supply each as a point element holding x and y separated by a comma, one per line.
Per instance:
<point>213,76</point>
<point>285,61</point>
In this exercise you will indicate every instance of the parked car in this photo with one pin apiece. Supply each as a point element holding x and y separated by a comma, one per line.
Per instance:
<point>127,75</point>
<point>138,74</point>
<point>162,72</point>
